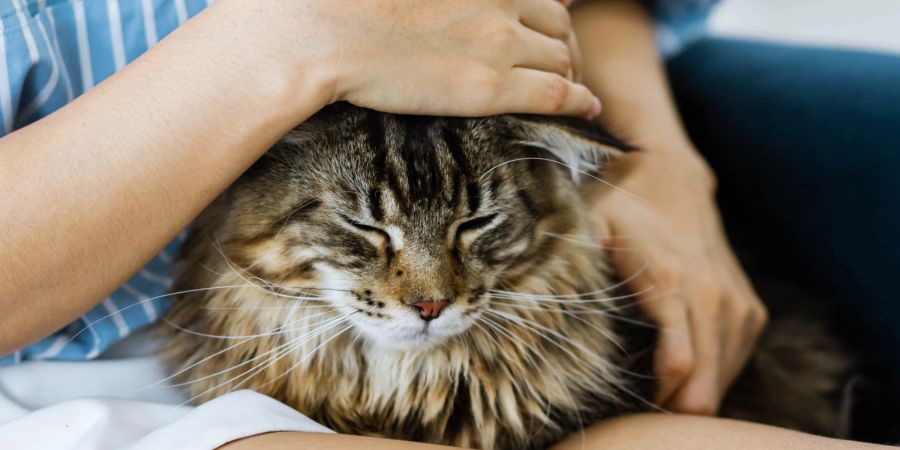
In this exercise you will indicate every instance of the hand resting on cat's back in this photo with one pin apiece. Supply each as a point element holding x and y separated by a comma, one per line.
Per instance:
<point>436,279</point>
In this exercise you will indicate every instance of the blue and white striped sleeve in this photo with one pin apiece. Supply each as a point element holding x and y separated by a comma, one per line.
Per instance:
<point>52,51</point>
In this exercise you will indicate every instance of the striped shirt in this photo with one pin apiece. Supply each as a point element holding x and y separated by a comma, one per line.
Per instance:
<point>52,51</point>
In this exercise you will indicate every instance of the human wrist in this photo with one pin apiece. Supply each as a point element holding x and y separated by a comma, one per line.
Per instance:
<point>661,139</point>
<point>679,161</point>
<point>289,79</point>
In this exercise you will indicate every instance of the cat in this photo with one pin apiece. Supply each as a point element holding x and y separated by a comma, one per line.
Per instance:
<point>436,279</point>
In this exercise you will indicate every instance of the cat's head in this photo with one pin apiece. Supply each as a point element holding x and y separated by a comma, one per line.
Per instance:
<point>402,224</point>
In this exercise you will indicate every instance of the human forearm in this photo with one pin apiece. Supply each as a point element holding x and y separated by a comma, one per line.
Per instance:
<point>666,237</point>
<point>90,193</point>
<point>279,441</point>
<point>622,66</point>
<point>673,432</point>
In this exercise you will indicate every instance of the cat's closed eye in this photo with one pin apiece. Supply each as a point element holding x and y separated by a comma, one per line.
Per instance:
<point>369,230</point>
<point>362,227</point>
<point>467,232</point>
<point>475,224</point>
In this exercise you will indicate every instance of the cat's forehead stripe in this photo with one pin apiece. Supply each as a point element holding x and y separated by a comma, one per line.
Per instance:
<point>473,196</point>
<point>375,128</point>
<point>375,206</point>
<point>454,146</point>
<point>421,159</point>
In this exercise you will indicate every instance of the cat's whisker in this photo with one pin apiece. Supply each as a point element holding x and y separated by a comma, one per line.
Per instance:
<point>524,323</point>
<point>570,167</point>
<point>302,289</point>
<point>278,331</point>
<point>302,360</point>
<point>603,332</point>
<point>591,236</point>
<point>549,366</point>
<point>589,242</point>
<point>487,333</point>
<point>322,330</point>
<point>609,312</point>
<point>612,382</point>
<point>574,315</point>
<point>543,331</point>
<point>512,339</point>
<point>209,269</point>
<point>274,349</point>
<point>243,308</point>
<point>234,268</point>
<point>486,322</point>
<point>572,301</point>
<point>286,218</point>
<point>191,366</point>
<point>613,287</point>
<point>256,369</point>
<point>356,338</point>
<point>250,283</point>
<point>198,363</point>
<point>228,369</point>
<point>133,305</point>
<point>306,288</point>
<point>528,358</point>
<point>587,307</point>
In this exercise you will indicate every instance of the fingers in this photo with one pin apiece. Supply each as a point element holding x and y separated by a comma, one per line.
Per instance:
<point>547,17</point>
<point>538,92</point>
<point>725,323</point>
<point>748,317</point>
<point>709,317</point>
<point>674,356</point>
<point>544,53</point>
<point>688,313</point>
<point>575,57</point>
<point>551,19</point>
<point>701,392</point>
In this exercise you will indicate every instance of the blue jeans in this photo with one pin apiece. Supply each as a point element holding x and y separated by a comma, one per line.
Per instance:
<point>806,146</point>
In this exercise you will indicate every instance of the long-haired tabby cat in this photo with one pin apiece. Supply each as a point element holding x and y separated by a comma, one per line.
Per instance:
<point>434,279</point>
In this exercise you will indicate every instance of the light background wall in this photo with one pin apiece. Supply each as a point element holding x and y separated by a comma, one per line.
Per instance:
<point>866,24</point>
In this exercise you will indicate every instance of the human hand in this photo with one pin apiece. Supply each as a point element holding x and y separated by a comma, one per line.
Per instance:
<point>664,235</point>
<point>454,57</point>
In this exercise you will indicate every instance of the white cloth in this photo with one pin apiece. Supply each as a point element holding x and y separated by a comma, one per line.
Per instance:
<point>119,403</point>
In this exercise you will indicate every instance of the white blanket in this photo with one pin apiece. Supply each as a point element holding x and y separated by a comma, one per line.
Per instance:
<point>116,403</point>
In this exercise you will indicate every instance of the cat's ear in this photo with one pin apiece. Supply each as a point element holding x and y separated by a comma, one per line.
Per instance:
<point>582,146</point>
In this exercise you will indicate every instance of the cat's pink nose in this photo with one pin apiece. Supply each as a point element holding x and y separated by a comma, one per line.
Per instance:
<point>430,309</point>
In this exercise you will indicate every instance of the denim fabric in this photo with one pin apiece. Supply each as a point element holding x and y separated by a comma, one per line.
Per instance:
<point>806,146</point>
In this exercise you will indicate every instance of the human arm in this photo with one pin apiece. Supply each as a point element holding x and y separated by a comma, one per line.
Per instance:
<point>675,431</point>
<point>294,440</point>
<point>634,432</point>
<point>91,192</point>
<point>665,237</point>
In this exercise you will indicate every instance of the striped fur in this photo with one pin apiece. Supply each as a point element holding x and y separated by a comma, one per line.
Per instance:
<point>354,216</point>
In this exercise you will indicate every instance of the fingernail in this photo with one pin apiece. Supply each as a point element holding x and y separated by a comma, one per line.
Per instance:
<point>595,108</point>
